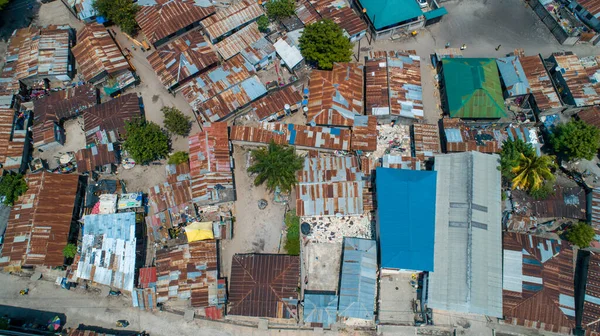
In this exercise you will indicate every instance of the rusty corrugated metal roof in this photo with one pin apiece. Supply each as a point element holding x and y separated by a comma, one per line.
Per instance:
<point>225,103</point>
<point>182,58</point>
<point>462,138</point>
<point>217,80</point>
<point>538,286</point>
<point>377,99</point>
<point>307,137</point>
<point>210,162</point>
<point>40,221</point>
<point>329,186</point>
<point>238,41</point>
<point>232,17</point>
<point>426,140</point>
<point>105,123</point>
<point>12,142</point>
<point>147,276</point>
<point>306,12</point>
<point>166,195</point>
<point>577,74</point>
<point>161,18</point>
<point>364,133</point>
<point>97,53</point>
<point>187,272</point>
<point>58,106</point>
<point>272,106</point>
<point>339,12</point>
<point>540,82</point>
<point>262,284</point>
<point>336,96</point>
<point>90,158</point>
<point>590,115</point>
<point>564,203</point>
<point>592,6</point>
<point>37,53</point>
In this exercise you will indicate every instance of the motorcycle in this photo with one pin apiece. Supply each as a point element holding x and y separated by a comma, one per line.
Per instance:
<point>122,323</point>
<point>24,291</point>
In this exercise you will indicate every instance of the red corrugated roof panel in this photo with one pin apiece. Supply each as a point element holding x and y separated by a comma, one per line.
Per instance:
<point>147,276</point>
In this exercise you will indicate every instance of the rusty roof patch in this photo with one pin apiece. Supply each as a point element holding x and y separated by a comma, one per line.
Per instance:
<point>339,12</point>
<point>97,53</point>
<point>40,221</point>
<point>329,186</point>
<point>188,272</point>
<point>540,82</point>
<point>306,137</point>
<point>58,106</point>
<point>217,80</point>
<point>162,18</point>
<point>37,53</point>
<point>578,75</point>
<point>225,103</point>
<point>426,140</point>
<point>232,17</point>
<point>538,286</point>
<point>590,115</point>
<point>264,285</point>
<point>182,58</point>
<point>336,96</point>
<point>462,138</point>
<point>239,40</point>
<point>364,133</point>
<point>210,163</point>
<point>90,158</point>
<point>565,202</point>
<point>105,123</point>
<point>272,106</point>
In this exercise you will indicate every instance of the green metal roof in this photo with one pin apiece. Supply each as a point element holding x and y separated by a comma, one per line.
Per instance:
<point>383,13</point>
<point>473,88</point>
<point>436,13</point>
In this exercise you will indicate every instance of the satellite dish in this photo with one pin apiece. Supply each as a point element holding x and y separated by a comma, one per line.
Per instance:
<point>305,228</point>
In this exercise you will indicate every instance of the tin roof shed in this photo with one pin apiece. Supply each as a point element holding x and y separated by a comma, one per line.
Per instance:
<point>358,279</point>
<point>320,309</point>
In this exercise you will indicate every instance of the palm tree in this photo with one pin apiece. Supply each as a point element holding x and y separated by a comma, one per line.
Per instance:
<point>277,166</point>
<point>532,171</point>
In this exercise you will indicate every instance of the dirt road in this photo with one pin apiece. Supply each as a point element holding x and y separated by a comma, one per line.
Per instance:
<point>93,310</point>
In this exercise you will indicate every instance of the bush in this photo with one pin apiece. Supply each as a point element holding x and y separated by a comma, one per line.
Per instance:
<point>263,23</point>
<point>280,9</point>
<point>323,43</point>
<point>178,157</point>
<point>121,12</point>
<point>145,141</point>
<point>3,3</point>
<point>581,234</point>
<point>292,238</point>
<point>176,122</point>
<point>70,251</point>
<point>11,187</point>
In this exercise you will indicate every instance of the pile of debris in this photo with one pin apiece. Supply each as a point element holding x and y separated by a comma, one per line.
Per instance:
<point>392,139</point>
<point>333,229</point>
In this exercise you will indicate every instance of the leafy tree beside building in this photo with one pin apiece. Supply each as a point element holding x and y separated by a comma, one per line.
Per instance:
<point>276,165</point>
<point>576,140</point>
<point>145,141</point>
<point>280,9</point>
<point>581,234</point>
<point>11,187</point>
<point>323,43</point>
<point>121,12</point>
<point>176,122</point>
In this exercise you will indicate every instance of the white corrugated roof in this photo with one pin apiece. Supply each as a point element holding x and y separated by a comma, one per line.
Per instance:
<point>290,55</point>
<point>467,273</point>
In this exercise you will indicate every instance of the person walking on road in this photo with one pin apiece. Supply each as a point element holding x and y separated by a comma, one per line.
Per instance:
<point>498,47</point>
<point>463,47</point>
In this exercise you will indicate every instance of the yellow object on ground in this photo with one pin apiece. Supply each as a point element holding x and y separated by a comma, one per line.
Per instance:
<point>199,231</point>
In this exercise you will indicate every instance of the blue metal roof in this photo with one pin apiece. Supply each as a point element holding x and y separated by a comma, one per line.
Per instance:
<point>406,218</point>
<point>320,308</point>
<point>358,279</point>
<point>513,75</point>
<point>436,13</point>
<point>117,225</point>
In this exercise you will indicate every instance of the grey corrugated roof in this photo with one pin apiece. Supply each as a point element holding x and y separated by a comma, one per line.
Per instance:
<point>467,273</point>
<point>358,279</point>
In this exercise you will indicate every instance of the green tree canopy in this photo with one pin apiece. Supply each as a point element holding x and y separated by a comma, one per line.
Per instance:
<point>323,43</point>
<point>263,23</point>
<point>576,140</point>
<point>545,191</point>
<point>276,165</point>
<point>70,251</point>
<point>145,141</point>
<point>178,157</point>
<point>581,234</point>
<point>121,12</point>
<point>280,9</point>
<point>176,122</point>
<point>11,187</point>
<point>532,171</point>
<point>511,155</point>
